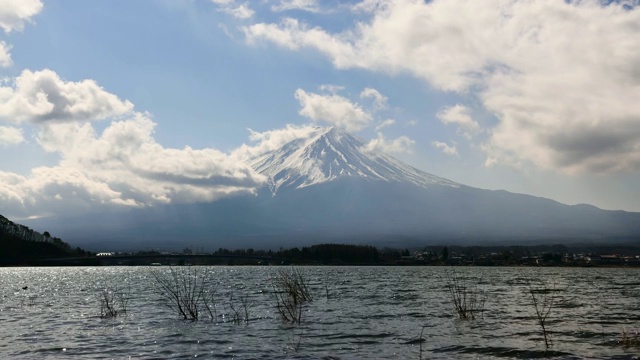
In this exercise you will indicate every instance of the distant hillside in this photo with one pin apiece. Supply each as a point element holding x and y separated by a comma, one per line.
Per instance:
<point>329,187</point>
<point>20,245</point>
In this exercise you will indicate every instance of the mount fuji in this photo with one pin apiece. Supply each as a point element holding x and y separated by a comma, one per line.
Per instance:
<point>329,186</point>
<point>330,154</point>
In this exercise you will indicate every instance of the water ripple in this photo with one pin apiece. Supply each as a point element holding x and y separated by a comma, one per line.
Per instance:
<point>365,312</point>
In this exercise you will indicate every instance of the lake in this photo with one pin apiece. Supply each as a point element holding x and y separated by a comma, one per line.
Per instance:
<point>356,312</point>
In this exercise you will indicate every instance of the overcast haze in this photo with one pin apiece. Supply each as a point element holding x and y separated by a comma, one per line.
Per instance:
<point>114,104</point>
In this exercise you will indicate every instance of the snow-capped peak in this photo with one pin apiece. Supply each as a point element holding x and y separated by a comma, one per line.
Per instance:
<point>330,153</point>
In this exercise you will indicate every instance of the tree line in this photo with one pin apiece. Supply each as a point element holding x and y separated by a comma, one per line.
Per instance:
<point>324,254</point>
<point>20,244</point>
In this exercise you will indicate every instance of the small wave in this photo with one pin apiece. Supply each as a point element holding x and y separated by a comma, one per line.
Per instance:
<point>505,352</point>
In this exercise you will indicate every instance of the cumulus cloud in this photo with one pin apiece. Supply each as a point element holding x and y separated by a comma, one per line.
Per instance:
<point>15,13</point>
<point>10,136</point>
<point>42,96</point>
<point>400,145</point>
<point>304,5</point>
<point>445,148</point>
<point>461,116</point>
<point>333,109</point>
<point>5,55</point>
<point>121,166</point>
<point>561,77</point>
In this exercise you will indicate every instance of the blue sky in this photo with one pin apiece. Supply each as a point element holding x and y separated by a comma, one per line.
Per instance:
<point>128,103</point>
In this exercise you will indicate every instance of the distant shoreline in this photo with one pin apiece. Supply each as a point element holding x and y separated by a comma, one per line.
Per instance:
<point>613,256</point>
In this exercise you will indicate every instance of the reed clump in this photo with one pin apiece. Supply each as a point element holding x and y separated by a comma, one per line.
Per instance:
<point>468,301</point>
<point>291,294</point>
<point>188,290</point>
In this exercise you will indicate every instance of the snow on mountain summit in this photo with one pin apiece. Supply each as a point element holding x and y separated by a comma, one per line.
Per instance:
<point>330,153</point>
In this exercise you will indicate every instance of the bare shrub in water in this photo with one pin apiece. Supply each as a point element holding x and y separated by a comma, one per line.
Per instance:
<point>240,310</point>
<point>543,298</point>
<point>468,301</point>
<point>291,294</point>
<point>188,290</point>
<point>630,339</point>
<point>113,302</point>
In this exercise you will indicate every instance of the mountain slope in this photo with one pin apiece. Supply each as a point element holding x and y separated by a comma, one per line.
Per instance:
<point>329,154</point>
<point>328,188</point>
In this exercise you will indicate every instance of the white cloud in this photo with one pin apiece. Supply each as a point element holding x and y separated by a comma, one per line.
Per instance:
<point>304,5</point>
<point>332,109</point>
<point>239,11</point>
<point>562,78</point>
<point>379,100</point>
<point>291,34</point>
<point>384,124</point>
<point>460,115</point>
<point>14,13</point>
<point>266,141</point>
<point>242,11</point>
<point>123,165</point>
<point>399,145</point>
<point>445,148</point>
<point>5,55</point>
<point>10,136</point>
<point>42,96</point>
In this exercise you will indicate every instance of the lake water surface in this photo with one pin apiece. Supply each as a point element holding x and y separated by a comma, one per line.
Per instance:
<point>369,313</point>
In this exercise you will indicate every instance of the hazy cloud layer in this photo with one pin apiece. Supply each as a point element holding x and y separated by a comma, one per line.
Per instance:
<point>562,78</point>
<point>42,96</point>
